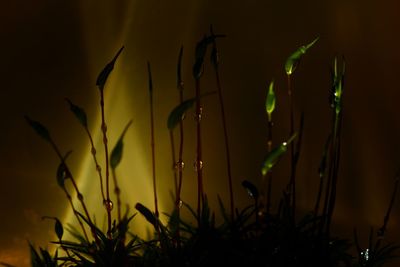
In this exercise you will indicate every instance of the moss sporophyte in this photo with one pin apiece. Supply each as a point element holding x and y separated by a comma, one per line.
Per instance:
<point>257,235</point>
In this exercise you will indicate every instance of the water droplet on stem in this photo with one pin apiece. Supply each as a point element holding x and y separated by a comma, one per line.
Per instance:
<point>108,205</point>
<point>198,165</point>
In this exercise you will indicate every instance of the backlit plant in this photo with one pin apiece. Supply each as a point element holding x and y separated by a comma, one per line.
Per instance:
<point>257,235</point>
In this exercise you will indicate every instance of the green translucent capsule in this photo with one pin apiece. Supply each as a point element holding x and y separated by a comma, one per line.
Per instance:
<point>275,154</point>
<point>294,59</point>
<point>338,86</point>
<point>271,100</point>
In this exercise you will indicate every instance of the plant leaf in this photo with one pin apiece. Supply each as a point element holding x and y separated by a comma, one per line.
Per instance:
<point>6,264</point>
<point>275,154</point>
<point>198,69</point>
<point>271,99</point>
<point>116,153</point>
<point>201,50</point>
<point>102,78</point>
<point>78,112</point>
<point>251,189</point>
<point>58,228</point>
<point>62,171</point>
<point>223,210</point>
<point>150,217</point>
<point>39,129</point>
<point>294,58</point>
<point>35,258</point>
<point>177,114</point>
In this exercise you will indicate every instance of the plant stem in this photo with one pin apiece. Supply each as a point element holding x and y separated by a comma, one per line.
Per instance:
<point>76,214</point>
<point>292,183</point>
<point>382,230</point>
<point>153,155</point>
<point>98,168</point>
<point>333,172</point>
<point>269,174</point>
<point>215,57</point>
<point>174,163</point>
<point>227,153</point>
<point>179,164</point>
<point>199,163</point>
<point>180,87</point>
<point>322,175</point>
<point>79,194</point>
<point>180,157</point>
<point>108,203</point>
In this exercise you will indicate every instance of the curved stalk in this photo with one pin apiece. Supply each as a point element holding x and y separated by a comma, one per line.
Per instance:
<point>108,202</point>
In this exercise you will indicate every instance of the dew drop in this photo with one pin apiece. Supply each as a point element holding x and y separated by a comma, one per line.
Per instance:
<point>108,205</point>
<point>179,165</point>
<point>198,165</point>
<point>198,115</point>
<point>180,204</point>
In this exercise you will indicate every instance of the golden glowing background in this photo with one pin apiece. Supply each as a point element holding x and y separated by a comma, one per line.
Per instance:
<point>55,49</point>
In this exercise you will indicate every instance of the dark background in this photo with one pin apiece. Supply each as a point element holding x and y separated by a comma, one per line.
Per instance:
<point>53,49</point>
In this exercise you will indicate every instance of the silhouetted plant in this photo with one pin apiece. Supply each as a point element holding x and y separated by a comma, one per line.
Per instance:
<point>257,235</point>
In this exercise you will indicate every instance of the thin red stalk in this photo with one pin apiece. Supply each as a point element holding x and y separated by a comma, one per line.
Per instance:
<point>105,142</point>
<point>98,168</point>
<point>174,163</point>
<point>269,174</point>
<point>153,156</point>
<point>180,166</point>
<point>320,189</point>
<point>68,173</point>
<point>335,170</point>
<point>292,152</point>
<point>322,175</point>
<point>199,163</point>
<point>79,194</point>
<point>227,153</point>
<point>215,60</point>
<point>180,87</point>
<point>76,213</point>
<point>180,157</point>
<point>330,195</point>
<point>80,197</point>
